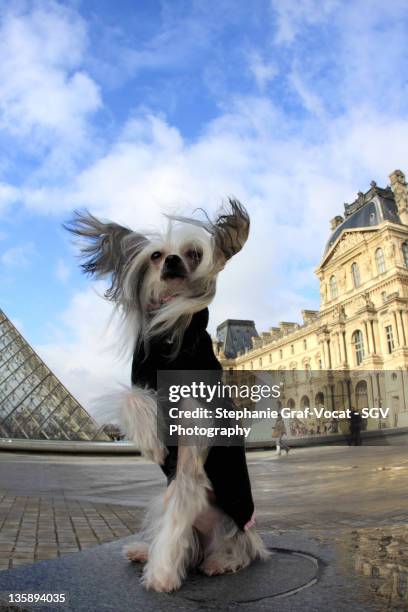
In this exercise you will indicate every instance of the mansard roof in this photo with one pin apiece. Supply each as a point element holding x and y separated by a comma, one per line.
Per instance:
<point>368,210</point>
<point>236,335</point>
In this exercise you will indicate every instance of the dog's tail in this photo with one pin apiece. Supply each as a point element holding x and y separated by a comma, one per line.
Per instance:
<point>134,411</point>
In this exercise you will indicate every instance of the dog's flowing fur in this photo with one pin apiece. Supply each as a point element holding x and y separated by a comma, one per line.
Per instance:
<point>185,528</point>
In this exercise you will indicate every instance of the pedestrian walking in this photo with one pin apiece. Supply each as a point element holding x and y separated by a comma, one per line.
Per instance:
<point>355,428</point>
<point>278,432</point>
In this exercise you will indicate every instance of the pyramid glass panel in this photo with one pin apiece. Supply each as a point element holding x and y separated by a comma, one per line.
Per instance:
<point>34,404</point>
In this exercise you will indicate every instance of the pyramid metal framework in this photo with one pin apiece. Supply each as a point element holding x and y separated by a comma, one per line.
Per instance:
<point>34,404</point>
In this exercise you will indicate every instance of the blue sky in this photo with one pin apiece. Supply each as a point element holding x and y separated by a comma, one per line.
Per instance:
<point>132,108</point>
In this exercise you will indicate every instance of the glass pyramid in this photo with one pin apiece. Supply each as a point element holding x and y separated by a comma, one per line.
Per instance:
<point>34,404</point>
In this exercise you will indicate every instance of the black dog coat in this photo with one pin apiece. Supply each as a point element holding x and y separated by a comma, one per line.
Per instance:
<point>225,466</point>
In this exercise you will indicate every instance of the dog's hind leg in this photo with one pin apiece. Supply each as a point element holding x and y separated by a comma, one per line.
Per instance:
<point>138,551</point>
<point>231,549</point>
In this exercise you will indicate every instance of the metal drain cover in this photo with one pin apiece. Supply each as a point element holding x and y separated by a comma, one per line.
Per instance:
<point>285,573</point>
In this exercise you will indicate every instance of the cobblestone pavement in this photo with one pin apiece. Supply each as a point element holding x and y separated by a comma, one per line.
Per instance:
<point>52,505</point>
<point>35,528</point>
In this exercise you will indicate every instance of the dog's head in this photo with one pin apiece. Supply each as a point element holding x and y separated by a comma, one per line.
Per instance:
<point>161,280</point>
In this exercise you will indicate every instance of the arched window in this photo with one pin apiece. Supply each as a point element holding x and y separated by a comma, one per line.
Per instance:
<point>333,287</point>
<point>305,402</point>
<point>355,272</point>
<point>405,253</point>
<point>358,342</point>
<point>361,395</point>
<point>379,260</point>
<point>319,399</point>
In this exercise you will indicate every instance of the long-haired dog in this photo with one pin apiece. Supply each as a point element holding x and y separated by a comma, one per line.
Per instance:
<point>162,285</point>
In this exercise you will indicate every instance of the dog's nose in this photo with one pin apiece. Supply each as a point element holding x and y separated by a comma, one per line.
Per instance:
<point>172,261</point>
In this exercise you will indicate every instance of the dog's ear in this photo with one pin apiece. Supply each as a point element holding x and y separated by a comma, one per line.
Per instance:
<point>230,230</point>
<point>105,248</point>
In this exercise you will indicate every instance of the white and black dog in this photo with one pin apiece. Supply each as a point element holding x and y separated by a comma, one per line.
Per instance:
<point>162,285</point>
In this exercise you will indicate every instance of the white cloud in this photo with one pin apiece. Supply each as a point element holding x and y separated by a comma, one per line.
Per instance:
<point>18,256</point>
<point>45,95</point>
<point>309,98</point>
<point>81,352</point>
<point>264,72</point>
<point>8,195</point>
<point>294,15</point>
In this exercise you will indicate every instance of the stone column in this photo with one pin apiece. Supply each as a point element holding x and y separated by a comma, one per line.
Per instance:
<point>329,355</point>
<point>345,348</point>
<point>404,337</point>
<point>323,352</point>
<point>397,331</point>
<point>366,337</point>
<point>373,336</point>
<point>378,338</point>
<point>339,347</point>
<point>404,316</point>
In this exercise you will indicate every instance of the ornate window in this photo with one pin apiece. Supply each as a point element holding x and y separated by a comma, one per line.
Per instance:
<point>380,260</point>
<point>333,287</point>
<point>390,338</point>
<point>405,253</point>
<point>358,342</point>
<point>355,272</point>
<point>305,402</point>
<point>280,353</point>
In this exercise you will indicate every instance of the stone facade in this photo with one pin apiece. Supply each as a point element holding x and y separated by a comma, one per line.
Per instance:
<point>355,348</point>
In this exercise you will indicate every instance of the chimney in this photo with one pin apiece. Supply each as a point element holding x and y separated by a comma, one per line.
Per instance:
<point>335,222</point>
<point>400,190</point>
<point>309,316</point>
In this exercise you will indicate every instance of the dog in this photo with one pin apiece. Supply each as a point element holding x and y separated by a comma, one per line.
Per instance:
<point>162,286</point>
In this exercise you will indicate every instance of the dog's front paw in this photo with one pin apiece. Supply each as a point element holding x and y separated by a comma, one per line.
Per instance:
<point>162,582</point>
<point>214,567</point>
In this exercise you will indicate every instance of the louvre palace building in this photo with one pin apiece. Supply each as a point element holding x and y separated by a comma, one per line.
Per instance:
<point>353,351</point>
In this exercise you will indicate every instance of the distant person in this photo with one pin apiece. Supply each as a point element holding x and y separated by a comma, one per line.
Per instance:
<point>356,421</point>
<point>278,432</point>
<point>334,426</point>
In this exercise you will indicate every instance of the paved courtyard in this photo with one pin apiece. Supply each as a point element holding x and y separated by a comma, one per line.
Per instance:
<point>356,498</point>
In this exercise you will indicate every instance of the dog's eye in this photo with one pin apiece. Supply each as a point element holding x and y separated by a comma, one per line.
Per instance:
<point>155,255</point>
<point>194,254</point>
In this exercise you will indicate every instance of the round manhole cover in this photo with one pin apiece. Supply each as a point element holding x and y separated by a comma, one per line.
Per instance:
<point>285,573</point>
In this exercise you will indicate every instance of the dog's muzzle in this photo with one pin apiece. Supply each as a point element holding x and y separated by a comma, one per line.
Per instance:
<point>173,268</point>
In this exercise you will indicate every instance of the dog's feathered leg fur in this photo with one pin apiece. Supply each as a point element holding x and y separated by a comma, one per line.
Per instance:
<point>134,410</point>
<point>231,549</point>
<point>176,546</point>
